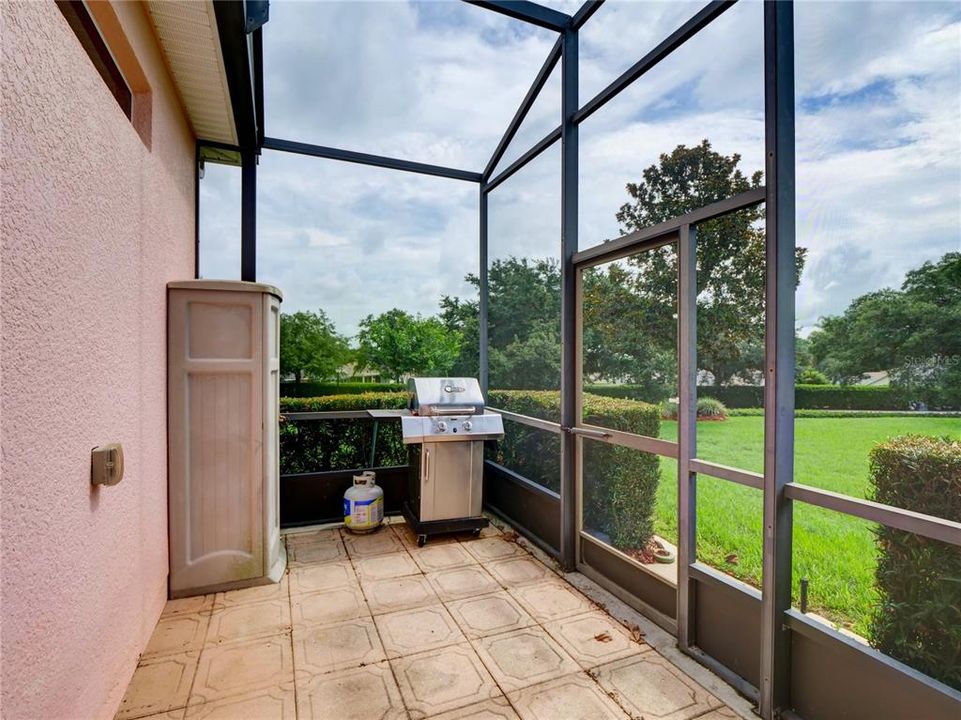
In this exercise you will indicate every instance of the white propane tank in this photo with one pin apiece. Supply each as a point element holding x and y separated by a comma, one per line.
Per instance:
<point>364,504</point>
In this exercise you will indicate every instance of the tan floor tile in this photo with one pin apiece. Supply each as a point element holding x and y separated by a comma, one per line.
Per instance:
<point>240,622</point>
<point>315,578</point>
<point>312,537</point>
<point>441,557</point>
<point>522,570</point>
<point>442,680</point>
<point>188,605</point>
<point>649,686</point>
<point>594,639</point>
<point>367,693</point>
<point>492,548</point>
<point>722,713</point>
<point>524,657</point>
<point>412,631</point>
<point>410,591</point>
<point>328,606</point>
<point>379,542</point>
<point>495,709</point>
<point>315,553</point>
<point>489,614</point>
<point>177,634</point>
<point>551,600</point>
<point>159,686</point>
<point>177,714</point>
<point>381,567</point>
<point>260,593</point>
<point>241,667</point>
<point>457,583</point>
<point>573,697</point>
<point>323,648</point>
<point>272,704</point>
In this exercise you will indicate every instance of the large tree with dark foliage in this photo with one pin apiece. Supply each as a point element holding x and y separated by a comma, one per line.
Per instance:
<point>399,344</point>
<point>730,256</point>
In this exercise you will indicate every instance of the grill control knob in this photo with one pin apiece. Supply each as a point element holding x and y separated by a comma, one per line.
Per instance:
<point>467,426</point>
<point>441,426</point>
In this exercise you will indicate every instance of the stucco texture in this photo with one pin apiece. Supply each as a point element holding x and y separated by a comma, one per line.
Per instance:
<point>94,224</point>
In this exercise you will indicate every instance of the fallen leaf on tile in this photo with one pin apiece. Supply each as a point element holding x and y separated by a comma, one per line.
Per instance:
<point>603,637</point>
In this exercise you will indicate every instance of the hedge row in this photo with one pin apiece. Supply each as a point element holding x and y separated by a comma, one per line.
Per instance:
<point>759,412</point>
<point>312,390</point>
<point>806,397</point>
<point>620,484</point>
<point>918,618</point>
<point>315,446</point>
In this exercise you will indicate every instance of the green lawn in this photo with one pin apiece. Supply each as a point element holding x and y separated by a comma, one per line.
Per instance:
<point>835,552</point>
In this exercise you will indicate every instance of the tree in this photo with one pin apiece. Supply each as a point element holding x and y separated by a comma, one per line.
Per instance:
<point>730,255</point>
<point>310,346</point>
<point>913,333</point>
<point>397,344</point>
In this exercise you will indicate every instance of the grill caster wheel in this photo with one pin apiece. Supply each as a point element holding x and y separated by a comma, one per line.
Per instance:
<point>475,533</point>
<point>421,540</point>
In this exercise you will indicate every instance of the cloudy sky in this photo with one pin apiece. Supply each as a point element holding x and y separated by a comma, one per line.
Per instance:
<point>878,141</point>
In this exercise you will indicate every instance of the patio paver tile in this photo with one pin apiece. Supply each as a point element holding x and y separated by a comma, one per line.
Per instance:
<point>188,605</point>
<point>240,667</point>
<point>367,693</point>
<point>594,639</point>
<point>573,697</point>
<point>493,548</point>
<point>495,709</point>
<point>379,542</point>
<point>524,657</point>
<point>520,570</point>
<point>409,632</point>
<point>441,557</point>
<point>240,622</point>
<point>311,553</point>
<point>382,567</point>
<point>551,600</point>
<point>321,649</point>
<point>315,578</point>
<point>462,582</point>
<point>443,680</point>
<point>159,685</point>
<point>276,703</point>
<point>410,591</point>
<point>329,606</point>
<point>176,634</point>
<point>489,615</point>
<point>259,593</point>
<point>649,686</point>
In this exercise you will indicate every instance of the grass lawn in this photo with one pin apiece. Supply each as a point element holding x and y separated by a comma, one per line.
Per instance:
<point>835,552</point>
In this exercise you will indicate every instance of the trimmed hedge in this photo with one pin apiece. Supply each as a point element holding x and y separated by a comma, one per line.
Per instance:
<point>918,618</point>
<point>759,412</point>
<point>313,390</point>
<point>806,397</point>
<point>620,484</point>
<point>315,446</point>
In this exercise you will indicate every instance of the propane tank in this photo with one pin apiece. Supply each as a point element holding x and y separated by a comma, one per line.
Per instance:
<point>364,504</point>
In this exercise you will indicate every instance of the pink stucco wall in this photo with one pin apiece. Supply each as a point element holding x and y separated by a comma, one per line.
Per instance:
<point>93,226</point>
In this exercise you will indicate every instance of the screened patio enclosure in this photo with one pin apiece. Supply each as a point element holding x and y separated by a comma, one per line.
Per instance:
<point>758,638</point>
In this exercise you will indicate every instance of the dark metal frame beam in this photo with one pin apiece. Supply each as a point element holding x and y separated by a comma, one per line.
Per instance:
<point>779,354</point>
<point>528,12</point>
<point>585,12</point>
<point>322,151</point>
<point>542,75</point>
<point>552,137</point>
<point>684,33</point>
<point>569,337</point>
<point>248,215</point>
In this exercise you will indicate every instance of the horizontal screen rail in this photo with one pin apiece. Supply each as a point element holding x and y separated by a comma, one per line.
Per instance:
<point>526,11</point>
<point>654,446</point>
<point>552,137</point>
<point>329,153</point>
<point>527,420</point>
<point>648,237</point>
<point>724,472</point>
<point>927,526</point>
<point>684,33</point>
<point>327,415</point>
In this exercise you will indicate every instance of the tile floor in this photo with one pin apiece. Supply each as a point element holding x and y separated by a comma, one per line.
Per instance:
<point>374,627</point>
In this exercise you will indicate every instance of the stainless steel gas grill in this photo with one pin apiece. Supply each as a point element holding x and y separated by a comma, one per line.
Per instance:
<point>445,433</point>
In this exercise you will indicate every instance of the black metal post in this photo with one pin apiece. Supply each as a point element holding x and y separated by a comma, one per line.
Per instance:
<point>248,216</point>
<point>197,209</point>
<point>484,293</point>
<point>779,354</point>
<point>686,434</point>
<point>568,299</point>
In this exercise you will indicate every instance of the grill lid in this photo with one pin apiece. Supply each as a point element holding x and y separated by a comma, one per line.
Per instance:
<point>445,396</point>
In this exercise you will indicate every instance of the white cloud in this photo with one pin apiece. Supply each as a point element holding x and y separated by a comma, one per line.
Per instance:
<point>878,141</point>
